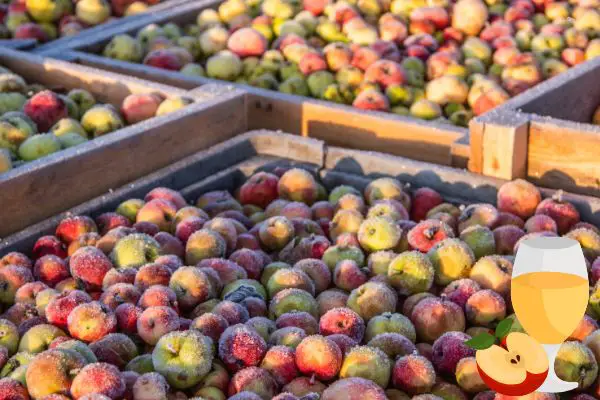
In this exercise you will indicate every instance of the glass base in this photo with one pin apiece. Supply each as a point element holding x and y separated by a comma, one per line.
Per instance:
<point>556,386</point>
<point>553,384</point>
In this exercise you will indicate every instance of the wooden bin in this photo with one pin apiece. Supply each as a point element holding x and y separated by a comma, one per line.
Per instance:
<point>545,134</point>
<point>60,43</point>
<point>337,124</point>
<point>39,189</point>
<point>226,165</point>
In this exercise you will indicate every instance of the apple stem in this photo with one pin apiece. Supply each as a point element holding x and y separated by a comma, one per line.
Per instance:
<point>558,196</point>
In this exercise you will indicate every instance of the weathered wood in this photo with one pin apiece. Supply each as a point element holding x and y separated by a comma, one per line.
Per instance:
<point>343,126</point>
<point>460,153</point>
<point>561,146</point>
<point>476,130</point>
<point>141,71</point>
<point>184,173</point>
<point>340,125</point>
<point>225,165</point>
<point>564,155</point>
<point>61,180</point>
<point>505,147</point>
<point>450,182</point>
<point>498,144</point>
<point>21,44</point>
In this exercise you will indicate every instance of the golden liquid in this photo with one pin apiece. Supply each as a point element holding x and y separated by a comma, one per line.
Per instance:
<point>549,305</point>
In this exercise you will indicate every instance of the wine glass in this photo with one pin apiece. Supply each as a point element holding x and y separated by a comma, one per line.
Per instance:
<point>549,293</point>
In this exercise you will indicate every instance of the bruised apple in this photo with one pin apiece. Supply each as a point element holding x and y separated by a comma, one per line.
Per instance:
<point>518,370</point>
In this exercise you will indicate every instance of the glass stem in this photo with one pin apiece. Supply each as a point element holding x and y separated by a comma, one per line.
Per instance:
<point>551,352</point>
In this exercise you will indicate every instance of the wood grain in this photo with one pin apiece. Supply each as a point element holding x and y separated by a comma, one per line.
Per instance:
<point>564,155</point>
<point>505,150</point>
<point>460,152</point>
<point>476,130</point>
<point>340,125</point>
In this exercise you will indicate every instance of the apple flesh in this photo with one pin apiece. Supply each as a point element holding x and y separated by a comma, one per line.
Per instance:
<point>518,370</point>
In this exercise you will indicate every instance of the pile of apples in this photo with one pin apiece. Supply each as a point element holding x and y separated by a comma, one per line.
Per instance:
<point>283,290</point>
<point>36,121</point>
<point>439,60</point>
<point>46,20</point>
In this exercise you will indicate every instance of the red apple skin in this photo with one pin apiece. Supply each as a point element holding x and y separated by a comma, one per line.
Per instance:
<point>503,342</point>
<point>529,385</point>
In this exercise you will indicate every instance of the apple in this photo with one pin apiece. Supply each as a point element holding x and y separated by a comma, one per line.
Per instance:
<point>518,370</point>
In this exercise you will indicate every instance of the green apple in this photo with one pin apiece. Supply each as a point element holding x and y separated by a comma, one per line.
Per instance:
<point>100,120</point>
<point>9,336</point>
<point>135,250</point>
<point>125,48</point>
<point>16,366</point>
<point>39,337</point>
<point>71,139</point>
<point>84,100</point>
<point>68,125</point>
<point>318,82</point>
<point>224,65</point>
<point>39,146</point>
<point>184,358</point>
<point>172,104</point>
<point>5,160</point>
<point>11,102</point>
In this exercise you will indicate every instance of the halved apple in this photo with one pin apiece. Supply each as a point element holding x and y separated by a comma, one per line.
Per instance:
<point>518,370</point>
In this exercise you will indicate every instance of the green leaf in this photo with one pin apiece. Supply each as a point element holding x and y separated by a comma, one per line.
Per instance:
<point>481,342</point>
<point>503,328</point>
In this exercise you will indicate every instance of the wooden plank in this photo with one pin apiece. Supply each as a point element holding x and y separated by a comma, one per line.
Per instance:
<point>57,182</point>
<point>476,131</point>
<point>460,153</point>
<point>185,173</point>
<point>451,182</point>
<point>340,125</point>
<point>394,134</point>
<point>564,155</point>
<point>505,147</point>
<point>141,71</point>
<point>70,177</point>
<point>266,112</point>
<point>21,44</point>
<point>224,166</point>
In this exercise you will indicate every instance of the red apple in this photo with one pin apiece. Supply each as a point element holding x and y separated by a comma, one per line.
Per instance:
<point>518,370</point>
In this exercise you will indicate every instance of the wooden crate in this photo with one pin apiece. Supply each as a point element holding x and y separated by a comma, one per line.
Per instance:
<point>337,124</point>
<point>544,134</point>
<point>52,184</point>
<point>60,43</point>
<point>226,165</point>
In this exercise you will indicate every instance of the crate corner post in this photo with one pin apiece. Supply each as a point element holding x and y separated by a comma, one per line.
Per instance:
<point>499,145</point>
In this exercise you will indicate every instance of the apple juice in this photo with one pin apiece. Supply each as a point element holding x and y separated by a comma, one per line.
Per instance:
<point>539,301</point>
